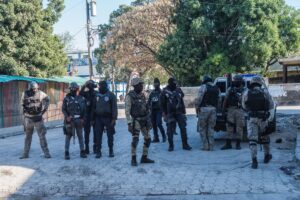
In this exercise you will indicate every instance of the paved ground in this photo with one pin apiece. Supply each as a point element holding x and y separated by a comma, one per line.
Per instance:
<point>176,175</point>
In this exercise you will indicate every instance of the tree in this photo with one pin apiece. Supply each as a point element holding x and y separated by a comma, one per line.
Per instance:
<point>67,40</point>
<point>27,43</point>
<point>132,39</point>
<point>228,36</point>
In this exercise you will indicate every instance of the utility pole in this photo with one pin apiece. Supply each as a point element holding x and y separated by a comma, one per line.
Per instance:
<point>90,11</point>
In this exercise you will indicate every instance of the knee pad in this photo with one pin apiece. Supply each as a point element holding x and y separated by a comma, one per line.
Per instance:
<point>252,143</point>
<point>147,142</point>
<point>135,141</point>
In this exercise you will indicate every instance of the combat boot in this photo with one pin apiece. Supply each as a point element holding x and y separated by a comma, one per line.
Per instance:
<point>186,146</point>
<point>87,149</point>
<point>171,147</point>
<point>238,145</point>
<point>155,140</point>
<point>133,161</point>
<point>111,153</point>
<point>254,163</point>
<point>83,154</point>
<point>47,155</point>
<point>267,158</point>
<point>67,155</point>
<point>146,160</point>
<point>227,145</point>
<point>24,156</point>
<point>98,154</point>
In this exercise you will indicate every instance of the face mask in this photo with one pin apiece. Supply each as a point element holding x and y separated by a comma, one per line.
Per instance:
<point>156,86</point>
<point>139,88</point>
<point>103,89</point>
<point>73,92</point>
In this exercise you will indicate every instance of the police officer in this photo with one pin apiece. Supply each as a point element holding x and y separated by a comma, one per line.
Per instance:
<point>138,119</point>
<point>174,112</point>
<point>88,92</point>
<point>257,101</point>
<point>235,114</point>
<point>206,105</point>
<point>104,115</point>
<point>73,109</point>
<point>35,103</point>
<point>156,113</point>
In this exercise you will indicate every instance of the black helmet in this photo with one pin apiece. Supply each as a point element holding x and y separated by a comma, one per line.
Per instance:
<point>33,85</point>
<point>238,80</point>
<point>91,84</point>
<point>256,80</point>
<point>74,86</point>
<point>206,79</point>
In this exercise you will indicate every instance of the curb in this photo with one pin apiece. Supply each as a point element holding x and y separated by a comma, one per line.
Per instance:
<point>19,130</point>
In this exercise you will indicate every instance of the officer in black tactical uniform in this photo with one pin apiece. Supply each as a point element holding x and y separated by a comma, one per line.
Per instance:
<point>104,115</point>
<point>35,103</point>
<point>174,111</point>
<point>156,112</point>
<point>138,119</point>
<point>235,114</point>
<point>73,109</point>
<point>88,92</point>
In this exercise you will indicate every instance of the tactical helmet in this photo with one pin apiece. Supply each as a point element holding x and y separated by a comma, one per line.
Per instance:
<point>238,80</point>
<point>156,80</point>
<point>256,80</point>
<point>206,79</point>
<point>91,83</point>
<point>74,86</point>
<point>136,81</point>
<point>33,85</point>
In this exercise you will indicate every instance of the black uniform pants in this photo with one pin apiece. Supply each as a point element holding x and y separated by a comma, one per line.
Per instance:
<point>101,124</point>
<point>156,120</point>
<point>171,127</point>
<point>87,131</point>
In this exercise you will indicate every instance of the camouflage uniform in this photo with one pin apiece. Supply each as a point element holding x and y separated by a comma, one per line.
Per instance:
<point>235,115</point>
<point>207,116</point>
<point>34,106</point>
<point>256,126</point>
<point>139,124</point>
<point>138,119</point>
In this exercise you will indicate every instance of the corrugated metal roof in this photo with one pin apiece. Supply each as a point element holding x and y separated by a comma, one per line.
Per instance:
<point>64,79</point>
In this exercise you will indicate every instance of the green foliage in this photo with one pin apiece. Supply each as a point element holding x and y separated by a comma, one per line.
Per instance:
<point>67,40</point>
<point>27,43</point>
<point>217,37</point>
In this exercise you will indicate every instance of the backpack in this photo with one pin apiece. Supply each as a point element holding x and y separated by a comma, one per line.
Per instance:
<point>257,100</point>
<point>211,96</point>
<point>234,97</point>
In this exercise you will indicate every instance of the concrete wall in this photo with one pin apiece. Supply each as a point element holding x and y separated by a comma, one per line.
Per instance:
<point>284,94</point>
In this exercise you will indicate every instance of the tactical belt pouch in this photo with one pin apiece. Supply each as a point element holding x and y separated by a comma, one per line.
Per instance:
<point>36,118</point>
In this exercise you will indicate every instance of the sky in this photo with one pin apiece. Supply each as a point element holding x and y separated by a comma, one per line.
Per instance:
<point>73,18</point>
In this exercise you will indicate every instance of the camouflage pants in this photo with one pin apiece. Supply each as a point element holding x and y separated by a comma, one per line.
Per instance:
<point>255,126</point>
<point>77,127</point>
<point>29,126</point>
<point>135,138</point>
<point>206,122</point>
<point>235,120</point>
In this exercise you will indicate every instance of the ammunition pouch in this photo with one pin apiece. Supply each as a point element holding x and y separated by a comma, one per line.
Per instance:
<point>260,115</point>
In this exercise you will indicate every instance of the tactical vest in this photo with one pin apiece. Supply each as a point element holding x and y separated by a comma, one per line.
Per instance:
<point>211,96</point>
<point>235,97</point>
<point>32,103</point>
<point>103,105</point>
<point>74,105</point>
<point>139,108</point>
<point>174,103</point>
<point>155,100</point>
<point>257,100</point>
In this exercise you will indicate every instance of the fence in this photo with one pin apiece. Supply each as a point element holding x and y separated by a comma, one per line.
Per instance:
<point>11,93</point>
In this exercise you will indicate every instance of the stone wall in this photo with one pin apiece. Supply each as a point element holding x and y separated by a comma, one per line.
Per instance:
<point>284,94</point>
